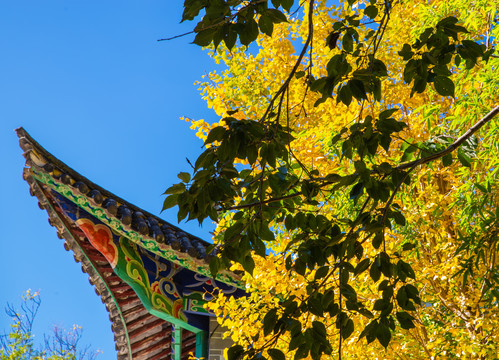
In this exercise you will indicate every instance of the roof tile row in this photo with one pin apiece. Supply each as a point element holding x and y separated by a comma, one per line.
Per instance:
<point>129,215</point>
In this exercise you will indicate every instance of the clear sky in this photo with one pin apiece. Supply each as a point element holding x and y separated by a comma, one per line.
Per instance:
<point>88,80</point>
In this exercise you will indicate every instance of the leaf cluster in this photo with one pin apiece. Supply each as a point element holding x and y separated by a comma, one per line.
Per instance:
<point>429,59</point>
<point>228,20</point>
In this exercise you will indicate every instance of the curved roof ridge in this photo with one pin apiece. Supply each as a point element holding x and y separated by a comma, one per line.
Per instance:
<point>144,228</point>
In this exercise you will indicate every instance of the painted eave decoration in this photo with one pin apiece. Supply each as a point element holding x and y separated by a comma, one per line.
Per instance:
<point>153,277</point>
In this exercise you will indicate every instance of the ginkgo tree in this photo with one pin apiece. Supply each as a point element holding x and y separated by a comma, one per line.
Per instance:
<point>353,176</point>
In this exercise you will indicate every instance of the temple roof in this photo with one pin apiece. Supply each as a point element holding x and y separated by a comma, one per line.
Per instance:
<point>140,310</point>
<point>138,335</point>
<point>171,241</point>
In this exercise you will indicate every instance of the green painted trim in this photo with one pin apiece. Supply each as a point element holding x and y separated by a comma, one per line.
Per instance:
<point>143,296</point>
<point>177,344</point>
<point>83,202</point>
<point>156,304</point>
<point>68,231</point>
<point>176,322</point>
<point>202,345</point>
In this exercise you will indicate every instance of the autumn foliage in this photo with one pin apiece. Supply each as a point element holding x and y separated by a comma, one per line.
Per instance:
<point>367,227</point>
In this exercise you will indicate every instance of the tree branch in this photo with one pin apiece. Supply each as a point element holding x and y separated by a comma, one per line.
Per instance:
<point>298,61</point>
<point>455,144</point>
<point>259,203</point>
<point>225,20</point>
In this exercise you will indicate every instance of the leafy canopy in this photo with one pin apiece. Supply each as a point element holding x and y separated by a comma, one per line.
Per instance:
<point>353,175</point>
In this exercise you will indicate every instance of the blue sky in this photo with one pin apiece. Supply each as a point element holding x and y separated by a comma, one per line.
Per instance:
<point>88,80</point>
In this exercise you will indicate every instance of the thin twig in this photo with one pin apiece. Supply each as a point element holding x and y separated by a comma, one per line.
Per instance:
<point>225,20</point>
<point>259,203</point>
<point>177,36</point>
<point>298,61</point>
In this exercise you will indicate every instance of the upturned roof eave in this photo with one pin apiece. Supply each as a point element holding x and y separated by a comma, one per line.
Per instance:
<point>37,158</point>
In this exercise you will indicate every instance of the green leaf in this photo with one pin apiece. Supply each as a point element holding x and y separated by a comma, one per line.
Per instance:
<point>464,159</point>
<point>334,178</point>
<point>347,329</point>
<point>420,83</point>
<point>269,321</point>
<point>413,293</point>
<point>302,351</point>
<point>328,298</point>
<point>230,37</point>
<point>384,168</point>
<point>266,25</point>
<point>276,15</point>
<point>347,42</point>
<point>191,9</point>
<point>175,189</point>
<point>248,32</point>
<point>215,134</point>
<point>248,264</point>
<point>369,331</point>
<point>383,334</point>
<point>408,246</point>
<point>300,266</point>
<point>375,272</point>
<point>276,354</point>
<point>446,22</point>
<point>345,95</point>
<point>385,264</point>
<point>332,39</point>
<point>447,160</point>
<point>214,265</point>
<point>442,70</point>
<point>315,306</point>
<point>319,329</point>
<point>371,11</point>
<point>410,70</point>
<point>378,240</point>
<point>405,320</point>
<point>235,352</point>
<point>299,74</point>
<point>399,218</point>
<point>385,114</point>
<point>185,177</point>
<point>286,4</point>
<point>204,37</point>
<point>423,38</point>
<point>405,268</point>
<point>317,85</point>
<point>276,3</point>
<point>362,266</point>
<point>170,201</point>
<point>406,53</point>
<point>356,190</point>
<point>266,233</point>
<point>233,231</point>
<point>321,272</point>
<point>379,68</point>
<point>474,50</point>
<point>482,188</point>
<point>252,154</point>
<point>444,86</point>
<point>403,299</point>
<point>390,125</point>
<point>380,304</point>
<point>357,88</point>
